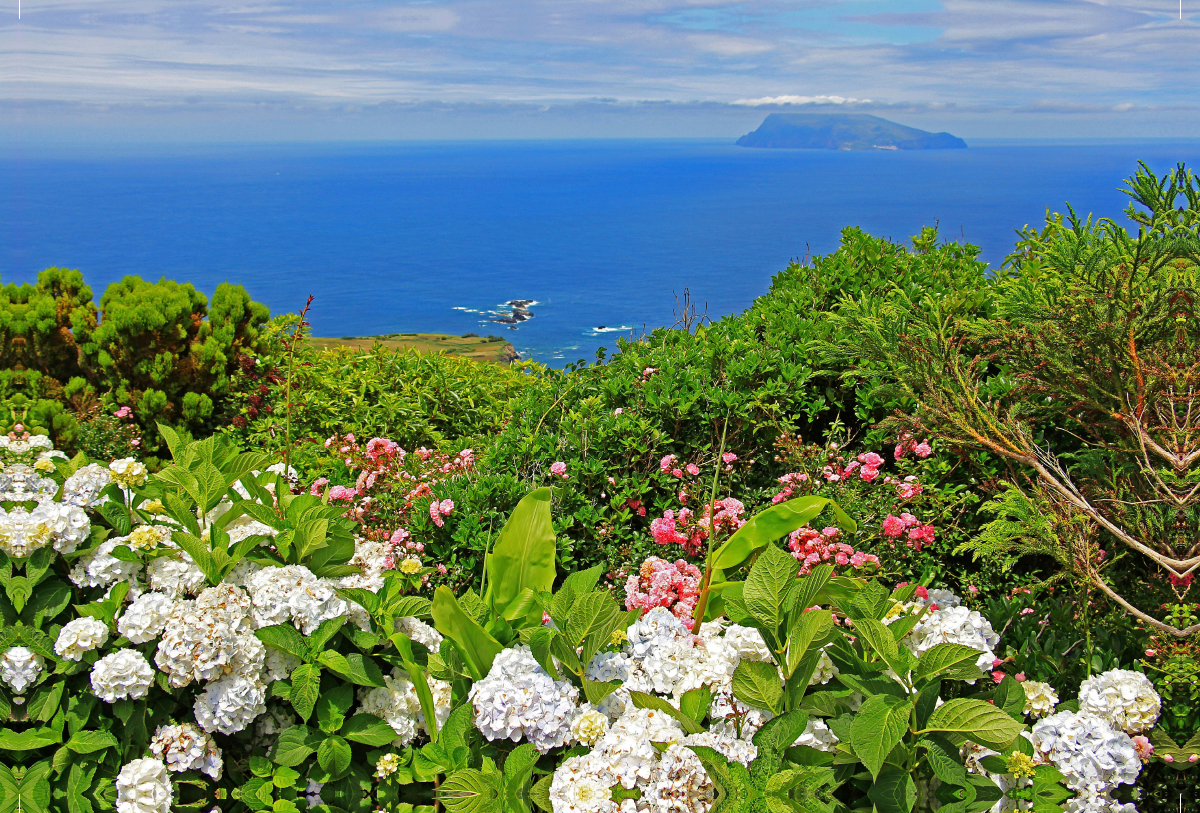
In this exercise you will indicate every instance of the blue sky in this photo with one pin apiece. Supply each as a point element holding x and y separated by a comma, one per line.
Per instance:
<point>231,69</point>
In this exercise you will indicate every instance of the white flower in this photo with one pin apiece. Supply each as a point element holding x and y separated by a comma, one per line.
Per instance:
<point>1090,753</point>
<point>175,575</point>
<point>419,631</point>
<point>143,786</point>
<point>293,592</point>
<point>185,747</point>
<point>581,785</point>
<point>627,745</point>
<point>210,637</point>
<point>732,748</point>
<point>680,785</point>
<point>84,486</point>
<point>149,537</point>
<point>1040,698</point>
<point>20,483</point>
<point>128,472</point>
<point>80,635</point>
<point>99,568</point>
<point>1126,699</point>
<point>230,704</point>
<point>20,667</point>
<point>146,617</point>
<point>22,532</point>
<point>279,665</point>
<point>125,674</point>
<point>825,671</point>
<point>69,524</point>
<point>817,735</point>
<point>608,666</point>
<point>589,726</point>
<point>398,705</point>
<point>955,625</point>
<point>518,699</point>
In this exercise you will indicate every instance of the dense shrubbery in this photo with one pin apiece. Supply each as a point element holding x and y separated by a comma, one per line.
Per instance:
<point>445,582</point>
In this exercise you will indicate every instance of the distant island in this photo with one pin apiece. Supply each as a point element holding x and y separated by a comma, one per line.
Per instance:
<point>844,131</point>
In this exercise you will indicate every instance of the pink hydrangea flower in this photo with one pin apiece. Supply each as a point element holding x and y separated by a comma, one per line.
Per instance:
<point>659,583</point>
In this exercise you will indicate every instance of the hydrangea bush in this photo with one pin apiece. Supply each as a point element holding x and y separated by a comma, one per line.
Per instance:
<point>214,637</point>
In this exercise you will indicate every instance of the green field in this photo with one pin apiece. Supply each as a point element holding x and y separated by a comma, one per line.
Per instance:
<point>479,348</point>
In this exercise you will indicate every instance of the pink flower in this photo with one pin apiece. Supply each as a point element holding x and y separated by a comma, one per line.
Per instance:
<point>317,486</point>
<point>1150,653</point>
<point>870,460</point>
<point>135,442</point>
<point>921,593</point>
<point>728,458</point>
<point>1019,677</point>
<point>1144,748</point>
<point>693,469</point>
<point>893,526</point>
<point>442,569</point>
<point>618,411</point>
<point>435,514</point>
<point>612,481</point>
<point>380,447</point>
<point>972,589</point>
<point>123,412</point>
<point>1027,611</point>
<point>997,677</point>
<point>667,463</point>
<point>923,449</point>
<point>559,469</point>
<point>342,493</point>
<point>649,371</point>
<point>445,507</point>
<point>868,475</point>
<point>996,663</point>
<point>659,583</point>
<point>676,473</point>
<point>398,536</point>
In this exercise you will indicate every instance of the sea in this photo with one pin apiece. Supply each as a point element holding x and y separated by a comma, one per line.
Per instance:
<point>595,239</point>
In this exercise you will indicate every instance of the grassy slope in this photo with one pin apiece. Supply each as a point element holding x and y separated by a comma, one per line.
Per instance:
<point>478,348</point>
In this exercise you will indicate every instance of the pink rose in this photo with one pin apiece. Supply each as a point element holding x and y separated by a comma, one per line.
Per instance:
<point>693,469</point>
<point>559,469</point>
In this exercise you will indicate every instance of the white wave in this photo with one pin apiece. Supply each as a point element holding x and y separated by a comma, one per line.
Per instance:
<point>602,329</point>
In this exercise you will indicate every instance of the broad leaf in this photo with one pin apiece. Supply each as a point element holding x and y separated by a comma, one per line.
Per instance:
<point>879,724</point>
<point>642,700</point>
<point>976,720</point>
<point>893,791</point>
<point>757,685</point>
<point>293,746</point>
<point>768,583</point>
<point>523,556</point>
<point>954,661</point>
<point>478,649</point>
<point>369,730</point>
<point>774,523</point>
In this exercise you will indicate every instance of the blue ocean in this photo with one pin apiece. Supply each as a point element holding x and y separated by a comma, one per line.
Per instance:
<point>599,235</point>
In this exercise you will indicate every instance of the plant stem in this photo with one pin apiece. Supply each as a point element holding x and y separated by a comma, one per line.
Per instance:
<point>297,334</point>
<point>702,604</point>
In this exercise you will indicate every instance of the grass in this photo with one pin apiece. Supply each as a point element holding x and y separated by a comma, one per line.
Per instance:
<point>480,348</point>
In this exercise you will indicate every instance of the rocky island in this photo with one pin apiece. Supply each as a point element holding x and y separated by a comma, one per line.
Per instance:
<point>844,131</point>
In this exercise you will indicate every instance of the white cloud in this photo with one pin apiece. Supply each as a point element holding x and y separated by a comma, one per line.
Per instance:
<point>772,100</point>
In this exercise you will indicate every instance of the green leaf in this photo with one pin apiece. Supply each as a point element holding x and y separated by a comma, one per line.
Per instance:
<point>944,759</point>
<point>29,740</point>
<point>954,661</point>
<point>79,781</point>
<point>595,691</point>
<point>976,720</point>
<point>893,791</point>
<point>478,649</point>
<point>539,794</point>
<point>260,766</point>
<point>593,619</point>
<point>332,706</point>
<point>333,755</point>
<point>471,791</point>
<point>523,556</point>
<point>50,599</point>
<point>369,730</point>
<point>32,792</point>
<point>642,700</point>
<point>694,703</point>
<point>809,626</point>
<point>306,687</point>
<point>285,638</point>
<point>293,746</point>
<point>769,581</point>
<point>87,742</point>
<point>1010,696</point>
<point>541,641</point>
<point>774,523</point>
<point>757,685</point>
<point>354,667</point>
<point>519,765</point>
<point>879,724</point>
<point>878,638</point>
<point>804,593</point>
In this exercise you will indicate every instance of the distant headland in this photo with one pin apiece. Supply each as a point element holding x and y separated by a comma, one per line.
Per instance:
<point>844,131</point>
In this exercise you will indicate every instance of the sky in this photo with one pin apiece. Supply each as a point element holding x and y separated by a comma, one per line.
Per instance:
<point>121,70</point>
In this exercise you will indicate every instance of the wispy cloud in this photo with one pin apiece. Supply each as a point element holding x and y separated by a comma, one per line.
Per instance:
<point>999,57</point>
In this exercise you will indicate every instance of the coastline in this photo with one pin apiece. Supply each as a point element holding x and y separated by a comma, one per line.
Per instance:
<point>491,349</point>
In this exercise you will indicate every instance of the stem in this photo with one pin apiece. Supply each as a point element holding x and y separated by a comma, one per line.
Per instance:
<point>702,604</point>
<point>296,336</point>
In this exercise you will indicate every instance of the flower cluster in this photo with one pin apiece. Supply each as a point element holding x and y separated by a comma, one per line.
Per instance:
<point>519,700</point>
<point>61,526</point>
<point>1093,756</point>
<point>919,533</point>
<point>812,547</point>
<point>659,583</point>
<point>690,530</point>
<point>946,620</point>
<point>1126,700</point>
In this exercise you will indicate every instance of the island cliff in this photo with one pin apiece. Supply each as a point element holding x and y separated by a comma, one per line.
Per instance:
<point>844,131</point>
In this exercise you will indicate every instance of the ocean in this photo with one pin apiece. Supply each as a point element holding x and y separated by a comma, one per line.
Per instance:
<point>600,236</point>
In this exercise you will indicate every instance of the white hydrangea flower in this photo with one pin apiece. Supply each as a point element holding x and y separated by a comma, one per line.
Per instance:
<point>954,625</point>
<point>149,537</point>
<point>518,699</point>
<point>20,668</point>
<point>606,667</point>
<point>652,630</point>
<point>397,704</point>
<point>825,671</point>
<point>1040,698</point>
<point>184,747</point>
<point>145,619</point>
<point>1092,755</point>
<point>210,637</point>
<point>293,592</point>
<point>730,718</point>
<point>230,704</point>
<point>732,748</point>
<point>627,747</point>
<point>176,575</point>
<point>80,635</point>
<point>69,524</point>
<point>1126,699</point>
<point>589,725</point>
<point>581,785</point>
<point>49,523</point>
<point>747,642</point>
<point>680,784</point>
<point>817,735</point>
<point>83,488</point>
<point>20,483</point>
<point>128,472</point>
<point>279,665</point>
<point>99,568</point>
<point>417,630</point>
<point>143,786</point>
<point>125,674</point>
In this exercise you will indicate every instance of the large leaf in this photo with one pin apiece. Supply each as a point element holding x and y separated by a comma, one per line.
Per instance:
<point>757,685</point>
<point>879,724</point>
<point>472,791</point>
<point>893,791</point>
<point>285,638</point>
<point>953,661</point>
<point>523,556</point>
<point>808,627</point>
<point>368,729</point>
<point>642,700</point>
<point>354,667</point>
<point>766,586</point>
<point>594,618</point>
<point>774,523</point>
<point>976,720</point>
<point>879,638</point>
<point>333,755</point>
<point>294,745</point>
<point>306,687</point>
<point>478,649</point>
